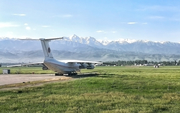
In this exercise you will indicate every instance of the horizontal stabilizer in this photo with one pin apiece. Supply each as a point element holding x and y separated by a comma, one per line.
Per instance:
<point>48,39</point>
<point>45,39</point>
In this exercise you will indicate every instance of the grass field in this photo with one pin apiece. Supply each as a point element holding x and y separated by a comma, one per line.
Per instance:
<point>26,70</point>
<point>114,90</point>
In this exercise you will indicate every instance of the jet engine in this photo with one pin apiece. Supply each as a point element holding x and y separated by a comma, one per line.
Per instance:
<point>90,66</point>
<point>44,67</point>
<point>83,66</point>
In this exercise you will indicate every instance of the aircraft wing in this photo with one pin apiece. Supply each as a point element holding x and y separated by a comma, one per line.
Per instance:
<point>80,61</point>
<point>41,64</point>
<point>83,64</point>
<point>27,64</point>
<point>17,65</point>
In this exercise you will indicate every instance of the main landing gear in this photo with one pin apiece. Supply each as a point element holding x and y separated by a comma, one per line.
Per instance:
<point>58,74</point>
<point>69,74</point>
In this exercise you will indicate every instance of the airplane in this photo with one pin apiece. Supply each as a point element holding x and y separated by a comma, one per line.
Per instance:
<point>70,67</point>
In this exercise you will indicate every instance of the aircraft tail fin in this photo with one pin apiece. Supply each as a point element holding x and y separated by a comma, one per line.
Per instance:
<point>45,46</point>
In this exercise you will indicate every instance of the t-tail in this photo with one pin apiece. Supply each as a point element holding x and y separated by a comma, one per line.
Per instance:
<point>46,48</point>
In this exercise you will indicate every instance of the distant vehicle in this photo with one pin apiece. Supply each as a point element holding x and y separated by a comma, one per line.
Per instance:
<point>70,67</point>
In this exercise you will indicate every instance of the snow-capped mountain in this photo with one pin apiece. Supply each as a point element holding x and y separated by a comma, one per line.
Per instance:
<point>88,48</point>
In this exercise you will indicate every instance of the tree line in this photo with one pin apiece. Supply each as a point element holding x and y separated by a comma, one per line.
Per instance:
<point>141,62</point>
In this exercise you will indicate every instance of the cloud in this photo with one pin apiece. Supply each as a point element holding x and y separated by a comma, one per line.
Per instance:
<point>63,16</point>
<point>132,23</point>
<point>19,14</point>
<point>67,16</point>
<point>7,24</point>
<point>114,31</point>
<point>45,26</point>
<point>145,23</point>
<point>100,31</point>
<point>28,28</point>
<point>156,17</point>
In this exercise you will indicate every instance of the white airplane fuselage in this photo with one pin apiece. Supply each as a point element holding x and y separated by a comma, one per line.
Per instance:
<point>61,67</point>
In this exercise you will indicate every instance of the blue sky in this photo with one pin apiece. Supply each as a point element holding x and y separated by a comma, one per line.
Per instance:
<point>154,20</point>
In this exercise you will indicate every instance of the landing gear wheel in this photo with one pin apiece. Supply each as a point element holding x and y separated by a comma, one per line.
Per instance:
<point>58,74</point>
<point>71,74</point>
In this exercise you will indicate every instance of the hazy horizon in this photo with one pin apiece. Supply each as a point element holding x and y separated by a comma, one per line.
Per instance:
<point>100,40</point>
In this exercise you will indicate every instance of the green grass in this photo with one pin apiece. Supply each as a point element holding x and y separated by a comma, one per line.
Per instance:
<point>26,70</point>
<point>115,89</point>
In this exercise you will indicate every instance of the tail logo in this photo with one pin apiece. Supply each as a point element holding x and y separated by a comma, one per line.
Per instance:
<point>49,50</point>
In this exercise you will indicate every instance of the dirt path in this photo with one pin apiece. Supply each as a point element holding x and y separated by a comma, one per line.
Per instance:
<point>17,81</point>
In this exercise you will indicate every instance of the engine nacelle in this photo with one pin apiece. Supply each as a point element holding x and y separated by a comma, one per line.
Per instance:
<point>83,66</point>
<point>44,68</point>
<point>90,66</point>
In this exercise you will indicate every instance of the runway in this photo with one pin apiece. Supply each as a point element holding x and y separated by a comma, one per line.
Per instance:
<point>6,79</point>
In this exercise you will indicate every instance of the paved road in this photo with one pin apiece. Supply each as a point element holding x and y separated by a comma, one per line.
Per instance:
<point>20,78</point>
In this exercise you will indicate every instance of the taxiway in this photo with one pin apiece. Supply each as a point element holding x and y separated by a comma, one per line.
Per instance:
<point>6,79</point>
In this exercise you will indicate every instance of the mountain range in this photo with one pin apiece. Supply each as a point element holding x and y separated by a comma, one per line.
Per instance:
<point>89,48</point>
